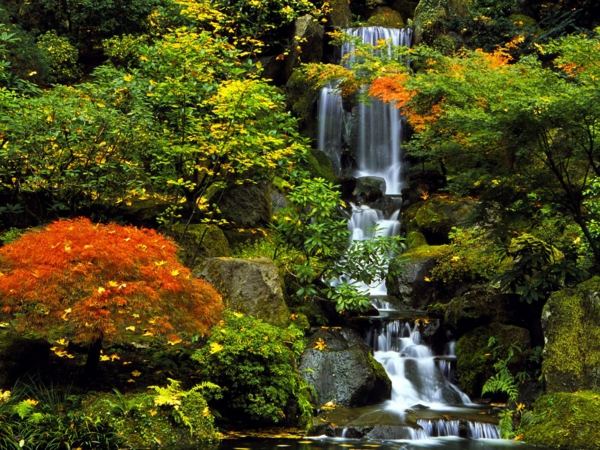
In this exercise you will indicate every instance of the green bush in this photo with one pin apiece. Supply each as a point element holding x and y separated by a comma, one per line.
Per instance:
<point>60,57</point>
<point>166,416</point>
<point>255,365</point>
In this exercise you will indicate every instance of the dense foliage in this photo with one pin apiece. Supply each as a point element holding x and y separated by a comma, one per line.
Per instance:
<point>255,365</point>
<point>90,282</point>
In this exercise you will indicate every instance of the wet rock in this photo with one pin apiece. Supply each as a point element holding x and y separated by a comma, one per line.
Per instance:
<point>369,189</point>
<point>431,15</point>
<point>436,216</point>
<point>409,275</point>
<point>571,322</point>
<point>344,371</point>
<point>250,286</point>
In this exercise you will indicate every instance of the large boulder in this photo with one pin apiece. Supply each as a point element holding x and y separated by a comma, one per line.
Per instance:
<point>564,420</point>
<point>571,321</point>
<point>342,370</point>
<point>340,14</point>
<point>409,277</point>
<point>247,205</point>
<point>250,286</point>
<point>199,241</point>
<point>474,363</point>
<point>436,216</point>
<point>369,189</point>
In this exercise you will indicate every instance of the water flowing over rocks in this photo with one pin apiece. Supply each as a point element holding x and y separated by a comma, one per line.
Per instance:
<point>344,372</point>
<point>250,286</point>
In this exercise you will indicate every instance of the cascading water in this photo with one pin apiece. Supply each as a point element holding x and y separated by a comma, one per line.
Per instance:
<point>421,381</point>
<point>377,125</point>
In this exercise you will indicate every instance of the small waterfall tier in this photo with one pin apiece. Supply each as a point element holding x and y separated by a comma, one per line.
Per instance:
<point>376,127</point>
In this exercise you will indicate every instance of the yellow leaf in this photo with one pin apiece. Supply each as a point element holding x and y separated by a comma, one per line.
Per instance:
<point>136,373</point>
<point>148,334</point>
<point>175,272</point>
<point>320,345</point>
<point>101,290</point>
<point>113,284</point>
<point>215,347</point>
<point>174,341</point>
<point>130,328</point>
<point>159,263</point>
<point>104,358</point>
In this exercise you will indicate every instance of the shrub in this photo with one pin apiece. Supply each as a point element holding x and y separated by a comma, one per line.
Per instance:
<point>91,283</point>
<point>60,56</point>
<point>255,365</point>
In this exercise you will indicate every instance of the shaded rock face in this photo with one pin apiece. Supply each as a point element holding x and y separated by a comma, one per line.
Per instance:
<point>344,372</point>
<point>409,279</point>
<point>369,189</point>
<point>250,286</point>
<point>474,365</point>
<point>340,14</point>
<point>571,322</point>
<point>308,34</point>
<point>246,206</point>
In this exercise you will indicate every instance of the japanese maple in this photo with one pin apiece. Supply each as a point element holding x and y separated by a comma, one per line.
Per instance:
<point>91,283</point>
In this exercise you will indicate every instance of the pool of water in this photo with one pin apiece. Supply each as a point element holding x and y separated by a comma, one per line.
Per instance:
<point>446,443</point>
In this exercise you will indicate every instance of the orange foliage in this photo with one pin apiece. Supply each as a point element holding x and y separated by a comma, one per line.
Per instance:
<point>392,88</point>
<point>90,281</point>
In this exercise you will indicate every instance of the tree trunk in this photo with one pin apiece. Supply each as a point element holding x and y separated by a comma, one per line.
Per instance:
<point>93,358</point>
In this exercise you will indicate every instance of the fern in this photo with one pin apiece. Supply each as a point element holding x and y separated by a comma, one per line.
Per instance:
<point>502,382</point>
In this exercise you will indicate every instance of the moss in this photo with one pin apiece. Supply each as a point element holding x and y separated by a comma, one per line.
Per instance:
<point>140,423</point>
<point>523,21</point>
<point>437,215</point>
<point>424,252</point>
<point>200,240</point>
<point>474,361</point>
<point>302,97</point>
<point>386,17</point>
<point>571,321</point>
<point>320,165</point>
<point>564,420</point>
<point>430,16</point>
<point>415,239</point>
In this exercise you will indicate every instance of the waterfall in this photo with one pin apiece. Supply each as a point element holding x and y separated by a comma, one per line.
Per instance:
<point>421,380</point>
<point>377,125</point>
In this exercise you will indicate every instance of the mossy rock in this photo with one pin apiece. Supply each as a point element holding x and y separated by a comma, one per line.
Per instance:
<point>415,239</point>
<point>436,216</point>
<point>200,241</point>
<point>246,205</point>
<point>340,14</point>
<point>431,15</point>
<point>409,277</point>
<point>564,420</point>
<point>140,423</point>
<point>302,98</point>
<point>475,307</point>
<point>571,321</point>
<point>384,16</point>
<point>474,363</point>
<point>320,165</point>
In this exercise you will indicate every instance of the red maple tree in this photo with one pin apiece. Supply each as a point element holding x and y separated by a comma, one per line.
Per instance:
<point>92,283</point>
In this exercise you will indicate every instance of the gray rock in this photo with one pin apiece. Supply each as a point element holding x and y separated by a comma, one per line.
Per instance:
<point>344,371</point>
<point>246,206</point>
<point>369,189</point>
<point>340,15</point>
<point>250,286</point>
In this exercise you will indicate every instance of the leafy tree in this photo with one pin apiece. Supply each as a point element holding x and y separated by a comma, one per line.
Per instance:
<point>487,119</point>
<point>92,283</point>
